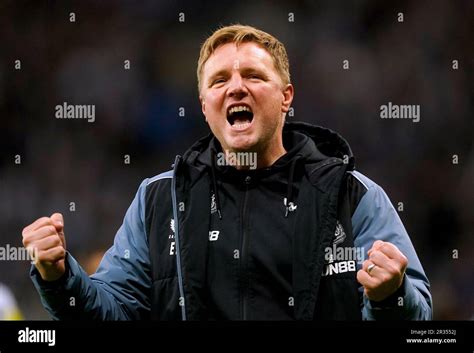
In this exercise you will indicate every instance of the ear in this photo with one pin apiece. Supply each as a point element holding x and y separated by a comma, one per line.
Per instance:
<point>203,106</point>
<point>288,93</point>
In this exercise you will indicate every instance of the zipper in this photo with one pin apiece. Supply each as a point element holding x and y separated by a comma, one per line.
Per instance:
<point>243,258</point>
<point>176,228</point>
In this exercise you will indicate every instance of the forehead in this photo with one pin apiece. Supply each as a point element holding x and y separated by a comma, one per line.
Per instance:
<point>246,54</point>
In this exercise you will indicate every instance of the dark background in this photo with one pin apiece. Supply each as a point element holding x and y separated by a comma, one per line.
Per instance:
<point>137,113</point>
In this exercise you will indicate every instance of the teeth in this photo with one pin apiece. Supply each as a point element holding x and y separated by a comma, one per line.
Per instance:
<point>240,126</point>
<point>239,108</point>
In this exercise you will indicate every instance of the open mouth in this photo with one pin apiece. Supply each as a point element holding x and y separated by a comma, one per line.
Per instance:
<point>240,116</point>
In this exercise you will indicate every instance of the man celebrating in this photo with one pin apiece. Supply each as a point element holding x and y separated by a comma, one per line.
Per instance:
<point>215,241</point>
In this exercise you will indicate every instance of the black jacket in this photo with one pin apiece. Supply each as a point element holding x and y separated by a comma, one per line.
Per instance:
<point>267,260</point>
<point>247,244</point>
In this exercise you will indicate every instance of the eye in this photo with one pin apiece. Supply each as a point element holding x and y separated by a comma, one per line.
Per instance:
<point>218,80</point>
<point>256,76</point>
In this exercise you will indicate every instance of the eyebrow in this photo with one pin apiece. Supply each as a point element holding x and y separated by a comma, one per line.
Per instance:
<point>222,72</point>
<point>246,70</point>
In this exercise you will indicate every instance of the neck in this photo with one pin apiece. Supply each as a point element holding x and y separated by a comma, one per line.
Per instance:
<point>267,159</point>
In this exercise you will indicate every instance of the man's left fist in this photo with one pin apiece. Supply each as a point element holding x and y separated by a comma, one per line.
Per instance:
<point>382,273</point>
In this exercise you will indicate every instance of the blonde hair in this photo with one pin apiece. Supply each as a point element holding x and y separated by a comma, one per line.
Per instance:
<point>241,34</point>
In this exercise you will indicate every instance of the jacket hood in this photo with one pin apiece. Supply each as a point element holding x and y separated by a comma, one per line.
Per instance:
<point>309,143</point>
<point>305,144</point>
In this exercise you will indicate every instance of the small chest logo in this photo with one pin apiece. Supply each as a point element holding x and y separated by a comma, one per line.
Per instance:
<point>213,235</point>
<point>339,234</point>
<point>171,236</point>
<point>213,204</point>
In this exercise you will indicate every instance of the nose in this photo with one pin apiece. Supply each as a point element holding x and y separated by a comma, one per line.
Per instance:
<point>237,88</point>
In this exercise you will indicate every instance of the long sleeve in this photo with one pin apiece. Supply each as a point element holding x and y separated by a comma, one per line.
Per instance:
<point>119,290</point>
<point>375,218</point>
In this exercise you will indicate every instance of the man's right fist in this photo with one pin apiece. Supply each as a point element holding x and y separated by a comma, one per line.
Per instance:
<point>44,238</point>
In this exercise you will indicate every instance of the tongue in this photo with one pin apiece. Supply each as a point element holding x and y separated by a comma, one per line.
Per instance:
<point>241,120</point>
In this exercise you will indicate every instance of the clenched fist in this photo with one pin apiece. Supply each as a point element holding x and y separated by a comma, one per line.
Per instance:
<point>44,238</point>
<point>382,274</point>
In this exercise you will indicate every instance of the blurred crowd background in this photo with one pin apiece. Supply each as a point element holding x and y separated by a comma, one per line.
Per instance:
<point>137,114</point>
